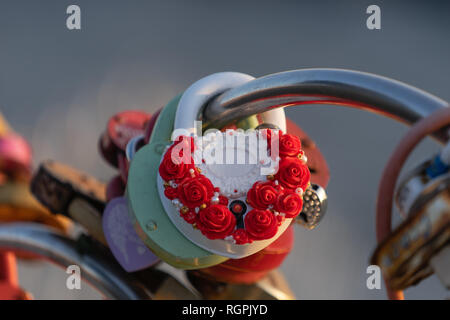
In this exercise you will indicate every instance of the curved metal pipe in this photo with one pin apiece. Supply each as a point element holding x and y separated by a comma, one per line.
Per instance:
<point>102,274</point>
<point>322,86</point>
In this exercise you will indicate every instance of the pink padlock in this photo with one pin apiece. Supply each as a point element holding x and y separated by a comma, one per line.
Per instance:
<point>15,155</point>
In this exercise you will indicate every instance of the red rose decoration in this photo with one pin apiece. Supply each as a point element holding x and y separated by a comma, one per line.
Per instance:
<point>261,224</point>
<point>223,200</point>
<point>189,217</point>
<point>293,173</point>
<point>168,170</point>
<point>280,219</point>
<point>289,203</point>
<point>193,192</point>
<point>289,145</point>
<point>216,222</point>
<point>262,194</point>
<point>170,193</point>
<point>241,236</point>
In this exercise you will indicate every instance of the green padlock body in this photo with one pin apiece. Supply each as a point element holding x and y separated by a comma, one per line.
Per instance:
<point>149,217</point>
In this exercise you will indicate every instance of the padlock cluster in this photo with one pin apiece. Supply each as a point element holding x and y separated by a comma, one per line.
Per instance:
<point>16,201</point>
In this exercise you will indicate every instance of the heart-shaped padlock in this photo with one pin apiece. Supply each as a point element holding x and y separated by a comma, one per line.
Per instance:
<point>184,249</point>
<point>125,244</point>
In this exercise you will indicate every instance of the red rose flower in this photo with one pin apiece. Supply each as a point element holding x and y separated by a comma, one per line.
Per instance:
<point>289,203</point>
<point>168,170</point>
<point>261,224</point>
<point>262,194</point>
<point>193,192</point>
<point>289,145</point>
<point>293,173</point>
<point>189,217</point>
<point>241,236</point>
<point>171,193</point>
<point>216,221</point>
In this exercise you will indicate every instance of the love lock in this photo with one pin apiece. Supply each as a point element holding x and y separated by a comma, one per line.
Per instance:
<point>409,254</point>
<point>18,204</point>
<point>72,193</point>
<point>213,212</point>
<point>120,129</point>
<point>16,201</point>
<point>15,157</point>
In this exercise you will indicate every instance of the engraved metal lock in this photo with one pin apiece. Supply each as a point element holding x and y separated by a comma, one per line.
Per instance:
<point>407,256</point>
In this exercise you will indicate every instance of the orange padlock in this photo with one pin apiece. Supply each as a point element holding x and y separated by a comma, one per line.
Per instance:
<point>9,280</point>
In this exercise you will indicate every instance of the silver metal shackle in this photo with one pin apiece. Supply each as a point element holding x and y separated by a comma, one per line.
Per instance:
<point>101,273</point>
<point>356,89</point>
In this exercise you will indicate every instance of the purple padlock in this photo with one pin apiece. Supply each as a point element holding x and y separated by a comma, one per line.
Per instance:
<point>126,246</point>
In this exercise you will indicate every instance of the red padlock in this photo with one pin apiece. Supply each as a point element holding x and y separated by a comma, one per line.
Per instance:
<point>252,268</point>
<point>120,129</point>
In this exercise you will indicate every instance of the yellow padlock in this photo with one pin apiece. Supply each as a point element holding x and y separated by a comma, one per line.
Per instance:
<point>18,204</point>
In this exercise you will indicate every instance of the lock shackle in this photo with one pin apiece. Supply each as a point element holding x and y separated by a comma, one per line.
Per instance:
<point>202,91</point>
<point>342,87</point>
<point>100,272</point>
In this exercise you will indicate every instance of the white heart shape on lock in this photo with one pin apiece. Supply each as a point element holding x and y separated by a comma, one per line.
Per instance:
<point>232,161</point>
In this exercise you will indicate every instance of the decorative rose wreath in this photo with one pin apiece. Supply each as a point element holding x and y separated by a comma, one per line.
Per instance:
<point>202,205</point>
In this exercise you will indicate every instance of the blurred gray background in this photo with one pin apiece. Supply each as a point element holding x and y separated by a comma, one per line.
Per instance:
<point>59,87</point>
